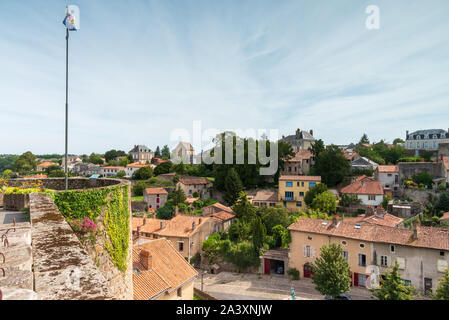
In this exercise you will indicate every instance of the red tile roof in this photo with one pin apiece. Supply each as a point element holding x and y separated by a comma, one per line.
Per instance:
<point>428,237</point>
<point>155,191</point>
<point>388,169</point>
<point>47,164</point>
<point>114,167</point>
<point>367,186</point>
<point>266,196</point>
<point>300,178</point>
<point>446,162</point>
<point>223,215</point>
<point>220,207</point>
<point>194,180</point>
<point>178,226</point>
<point>168,272</point>
<point>37,176</point>
<point>445,216</point>
<point>136,165</point>
<point>300,155</point>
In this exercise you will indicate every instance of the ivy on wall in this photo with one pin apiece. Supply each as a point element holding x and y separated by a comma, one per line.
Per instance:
<point>92,203</point>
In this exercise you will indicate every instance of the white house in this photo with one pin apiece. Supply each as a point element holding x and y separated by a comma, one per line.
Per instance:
<point>111,171</point>
<point>389,177</point>
<point>366,189</point>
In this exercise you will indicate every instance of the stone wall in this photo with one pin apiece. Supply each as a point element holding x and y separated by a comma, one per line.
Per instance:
<point>138,206</point>
<point>423,196</point>
<point>15,202</point>
<point>73,183</point>
<point>408,169</point>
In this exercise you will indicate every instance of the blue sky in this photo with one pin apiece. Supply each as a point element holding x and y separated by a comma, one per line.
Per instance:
<point>140,69</point>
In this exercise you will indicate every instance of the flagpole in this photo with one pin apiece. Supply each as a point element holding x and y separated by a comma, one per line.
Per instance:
<point>66,108</point>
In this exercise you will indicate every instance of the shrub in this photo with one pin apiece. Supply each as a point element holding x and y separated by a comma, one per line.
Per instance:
<point>294,273</point>
<point>139,188</point>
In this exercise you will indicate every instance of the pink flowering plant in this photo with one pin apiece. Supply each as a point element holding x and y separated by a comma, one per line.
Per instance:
<point>83,227</point>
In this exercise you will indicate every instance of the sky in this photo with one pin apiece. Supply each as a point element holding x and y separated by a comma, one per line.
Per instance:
<point>141,69</point>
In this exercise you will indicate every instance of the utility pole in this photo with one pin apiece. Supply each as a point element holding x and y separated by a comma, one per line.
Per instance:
<point>66,109</point>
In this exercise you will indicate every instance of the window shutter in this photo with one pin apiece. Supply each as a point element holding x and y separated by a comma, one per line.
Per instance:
<point>304,250</point>
<point>312,254</point>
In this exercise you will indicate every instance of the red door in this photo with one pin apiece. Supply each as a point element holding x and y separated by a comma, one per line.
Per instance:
<point>267,266</point>
<point>308,270</point>
<point>356,279</point>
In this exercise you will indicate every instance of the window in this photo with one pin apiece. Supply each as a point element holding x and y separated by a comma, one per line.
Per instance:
<point>392,248</point>
<point>289,184</point>
<point>312,184</point>
<point>345,255</point>
<point>297,184</point>
<point>308,251</point>
<point>384,261</point>
<point>372,197</point>
<point>181,246</point>
<point>343,242</point>
<point>179,293</point>
<point>299,204</point>
<point>289,195</point>
<point>302,184</point>
<point>362,260</point>
<point>301,194</point>
<point>362,245</point>
<point>442,253</point>
<point>309,238</point>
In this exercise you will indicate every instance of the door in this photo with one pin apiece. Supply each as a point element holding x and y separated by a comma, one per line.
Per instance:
<point>307,270</point>
<point>362,280</point>
<point>267,266</point>
<point>427,286</point>
<point>356,279</point>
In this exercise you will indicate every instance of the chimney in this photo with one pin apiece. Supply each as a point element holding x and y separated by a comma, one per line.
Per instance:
<point>335,221</point>
<point>144,220</point>
<point>311,132</point>
<point>283,137</point>
<point>162,224</point>
<point>369,211</point>
<point>406,135</point>
<point>298,131</point>
<point>146,259</point>
<point>193,225</point>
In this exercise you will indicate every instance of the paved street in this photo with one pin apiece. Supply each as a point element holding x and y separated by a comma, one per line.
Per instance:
<point>234,286</point>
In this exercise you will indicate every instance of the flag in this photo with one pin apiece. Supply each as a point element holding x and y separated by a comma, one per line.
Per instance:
<point>72,18</point>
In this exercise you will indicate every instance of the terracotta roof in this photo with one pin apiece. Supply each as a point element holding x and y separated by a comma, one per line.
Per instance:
<point>136,165</point>
<point>223,215</point>
<point>37,176</point>
<point>114,167</point>
<point>388,169</point>
<point>428,237</point>
<point>266,196</point>
<point>168,272</point>
<point>387,219</point>
<point>300,178</point>
<point>300,155</point>
<point>350,154</point>
<point>178,226</point>
<point>47,164</point>
<point>155,191</point>
<point>445,216</point>
<point>191,200</point>
<point>194,180</point>
<point>221,207</point>
<point>367,186</point>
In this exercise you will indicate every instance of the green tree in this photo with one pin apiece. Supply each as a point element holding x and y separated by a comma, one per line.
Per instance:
<point>239,231</point>
<point>442,204</point>
<point>244,209</point>
<point>317,147</point>
<point>442,291</point>
<point>281,236</point>
<point>178,196</point>
<point>332,166</point>
<point>258,233</point>
<point>124,162</point>
<point>112,154</point>
<point>165,212</point>
<point>7,162</point>
<point>7,174</point>
<point>273,216</point>
<point>165,152</point>
<point>25,163</point>
<point>121,174</point>
<point>313,192</point>
<point>397,141</point>
<point>385,202</point>
<point>393,288</point>
<point>157,153</point>
<point>332,275</point>
<point>95,158</point>
<point>233,187</point>
<point>424,178</point>
<point>139,188</point>
<point>143,173</point>
<point>364,139</point>
<point>180,168</point>
<point>349,199</point>
<point>163,168</point>
<point>325,202</point>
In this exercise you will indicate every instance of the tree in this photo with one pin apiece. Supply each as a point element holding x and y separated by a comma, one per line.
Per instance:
<point>349,199</point>
<point>244,209</point>
<point>178,196</point>
<point>180,168</point>
<point>8,162</point>
<point>273,216</point>
<point>317,147</point>
<point>139,187</point>
<point>233,187</point>
<point>325,202</point>
<point>239,231</point>
<point>424,178</point>
<point>364,139</point>
<point>442,292</point>
<point>112,154</point>
<point>332,166</point>
<point>143,173</point>
<point>385,202</point>
<point>332,275</point>
<point>281,236</point>
<point>95,158</point>
<point>124,162</point>
<point>165,152</point>
<point>397,141</point>
<point>313,192</point>
<point>442,204</point>
<point>258,233</point>
<point>393,288</point>
<point>165,212</point>
<point>157,153</point>
<point>121,174</point>
<point>163,168</point>
<point>7,174</point>
<point>25,163</point>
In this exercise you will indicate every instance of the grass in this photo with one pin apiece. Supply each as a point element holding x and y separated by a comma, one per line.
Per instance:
<point>137,198</point>
<point>195,297</point>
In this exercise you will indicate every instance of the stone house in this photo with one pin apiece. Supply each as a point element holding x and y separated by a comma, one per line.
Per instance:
<point>155,198</point>
<point>191,185</point>
<point>366,189</point>
<point>42,166</point>
<point>300,164</point>
<point>389,177</point>
<point>111,171</point>
<point>141,153</point>
<point>186,232</point>
<point>222,213</point>
<point>371,249</point>
<point>301,140</point>
<point>425,140</point>
<point>160,272</point>
<point>265,199</point>
<point>183,152</point>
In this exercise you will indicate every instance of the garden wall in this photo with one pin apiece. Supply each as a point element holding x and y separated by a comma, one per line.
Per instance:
<point>419,195</point>
<point>73,183</point>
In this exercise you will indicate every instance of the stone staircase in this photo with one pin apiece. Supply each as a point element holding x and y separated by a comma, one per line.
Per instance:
<point>16,260</point>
